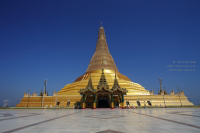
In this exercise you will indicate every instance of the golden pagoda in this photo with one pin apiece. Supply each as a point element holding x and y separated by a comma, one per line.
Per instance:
<point>103,86</point>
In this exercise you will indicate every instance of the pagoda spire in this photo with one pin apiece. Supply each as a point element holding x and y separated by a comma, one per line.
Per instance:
<point>102,56</point>
<point>116,84</point>
<point>102,81</point>
<point>90,81</point>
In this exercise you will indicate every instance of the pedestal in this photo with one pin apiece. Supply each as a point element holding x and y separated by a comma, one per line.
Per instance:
<point>112,105</point>
<point>94,105</point>
<point>123,105</point>
<point>83,105</point>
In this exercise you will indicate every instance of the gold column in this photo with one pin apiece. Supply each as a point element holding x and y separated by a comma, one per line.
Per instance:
<point>112,102</point>
<point>83,105</point>
<point>94,105</point>
<point>83,101</point>
<point>122,105</point>
<point>112,105</point>
<point>95,100</point>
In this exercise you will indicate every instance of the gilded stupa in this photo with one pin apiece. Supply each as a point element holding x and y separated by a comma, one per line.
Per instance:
<point>103,59</point>
<point>118,90</point>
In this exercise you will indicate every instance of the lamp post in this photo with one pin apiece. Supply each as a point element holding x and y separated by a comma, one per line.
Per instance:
<point>179,94</point>
<point>28,96</point>
<point>160,81</point>
<point>45,84</point>
<point>43,100</point>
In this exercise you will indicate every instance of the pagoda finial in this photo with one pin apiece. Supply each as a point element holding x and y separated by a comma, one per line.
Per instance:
<point>100,24</point>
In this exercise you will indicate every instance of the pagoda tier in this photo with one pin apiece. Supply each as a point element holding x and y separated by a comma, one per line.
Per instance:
<point>124,82</point>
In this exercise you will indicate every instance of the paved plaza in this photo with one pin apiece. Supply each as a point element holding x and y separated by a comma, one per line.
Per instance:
<point>159,120</point>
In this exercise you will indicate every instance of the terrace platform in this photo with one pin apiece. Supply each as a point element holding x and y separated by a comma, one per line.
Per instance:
<point>158,120</point>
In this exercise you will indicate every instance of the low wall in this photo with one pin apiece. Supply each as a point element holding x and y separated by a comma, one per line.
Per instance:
<point>144,100</point>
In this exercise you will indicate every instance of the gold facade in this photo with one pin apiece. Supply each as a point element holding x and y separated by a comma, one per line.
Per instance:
<point>136,95</point>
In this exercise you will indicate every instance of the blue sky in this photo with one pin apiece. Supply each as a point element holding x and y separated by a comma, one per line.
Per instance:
<point>55,40</point>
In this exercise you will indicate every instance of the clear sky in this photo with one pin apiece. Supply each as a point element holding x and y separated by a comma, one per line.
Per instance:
<point>55,40</point>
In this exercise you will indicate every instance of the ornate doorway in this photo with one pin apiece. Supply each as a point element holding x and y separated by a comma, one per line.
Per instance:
<point>103,97</point>
<point>103,102</point>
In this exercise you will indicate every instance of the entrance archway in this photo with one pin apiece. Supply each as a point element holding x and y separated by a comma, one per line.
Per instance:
<point>103,103</point>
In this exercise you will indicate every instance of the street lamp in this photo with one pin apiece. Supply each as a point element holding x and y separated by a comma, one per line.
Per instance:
<point>179,94</point>
<point>45,84</point>
<point>28,96</point>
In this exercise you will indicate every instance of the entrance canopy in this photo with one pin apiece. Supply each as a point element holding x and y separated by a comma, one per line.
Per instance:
<point>89,94</point>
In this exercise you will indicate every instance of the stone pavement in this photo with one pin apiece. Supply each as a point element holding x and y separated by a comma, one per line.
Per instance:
<point>159,120</point>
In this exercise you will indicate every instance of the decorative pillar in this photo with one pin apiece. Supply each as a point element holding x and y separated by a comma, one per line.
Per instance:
<point>83,101</point>
<point>112,102</point>
<point>95,100</point>
<point>123,101</point>
<point>120,100</point>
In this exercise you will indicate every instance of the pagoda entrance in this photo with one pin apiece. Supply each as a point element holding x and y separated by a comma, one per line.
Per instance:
<point>103,101</point>
<point>103,97</point>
